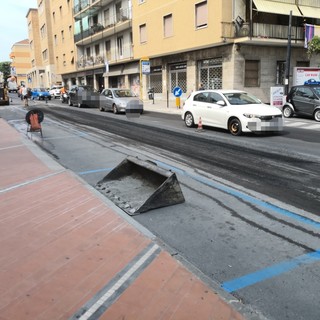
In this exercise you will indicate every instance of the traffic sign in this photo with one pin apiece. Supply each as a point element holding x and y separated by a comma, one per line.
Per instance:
<point>177,92</point>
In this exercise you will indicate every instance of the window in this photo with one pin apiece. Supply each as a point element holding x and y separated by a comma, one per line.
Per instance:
<point>45,54</point>
<point>62,36</point>
<point>43,31</point>
<point>88,52</point>
<point>143,33</point>
<point>108,49</point>
<point>141,1</point>
<point>252,78</point>
<point>201,14</point>
<point>97,49</point>
<point>106,16</point>
<point>55,40</point>
<point>70,32</point>
<point>281,70</point>
<point>167,26</point>
<point>120,46</point>
<point>54,16</point>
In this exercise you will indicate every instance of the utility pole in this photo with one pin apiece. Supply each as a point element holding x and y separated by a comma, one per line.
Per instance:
<point>287,73</point>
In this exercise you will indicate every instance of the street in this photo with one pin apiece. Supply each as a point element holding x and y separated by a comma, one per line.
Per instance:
<point>250,223</point>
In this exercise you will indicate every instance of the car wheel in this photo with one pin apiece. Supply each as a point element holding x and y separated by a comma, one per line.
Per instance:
<point>235,127</point>
<point>188,120</point>
<point>287,112</point>
<point>69,102</point>
<point>316,115</point>
<point>114,109</point>
<point>79,105</point>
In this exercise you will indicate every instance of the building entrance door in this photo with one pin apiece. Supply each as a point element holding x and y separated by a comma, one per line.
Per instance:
<point>178,77</point>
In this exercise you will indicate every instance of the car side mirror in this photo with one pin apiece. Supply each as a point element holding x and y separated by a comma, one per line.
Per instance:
<point>221,103</point>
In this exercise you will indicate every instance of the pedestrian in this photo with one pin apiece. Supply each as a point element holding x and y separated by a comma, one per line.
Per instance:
<point>25,93</point>
<point>201,87</point>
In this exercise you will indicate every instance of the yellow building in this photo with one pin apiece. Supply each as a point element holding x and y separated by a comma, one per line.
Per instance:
<point>37,68</point>
<point>142,44</point>
<point>63,45</point>
<point>21,63</point>
<point>229,44</point>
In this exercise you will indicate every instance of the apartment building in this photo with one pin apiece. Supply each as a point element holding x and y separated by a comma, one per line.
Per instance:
<point>43,72</point>
<point>63,47</point>
<point>103,40</point>
<point>20,57</point>
<point>239,44</point>
<point>33,76</point>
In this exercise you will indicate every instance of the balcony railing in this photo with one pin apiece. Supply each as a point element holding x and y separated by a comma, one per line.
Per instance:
<point>114,56</point>
<point>262,31</point>
<point>120,18</point>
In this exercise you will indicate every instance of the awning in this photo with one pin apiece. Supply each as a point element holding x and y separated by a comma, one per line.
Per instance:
<point>277,7</point>
<point>310,12</point>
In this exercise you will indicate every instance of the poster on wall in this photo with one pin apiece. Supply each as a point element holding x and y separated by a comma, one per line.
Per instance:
<point>303,75</point>
<point>277,96</point>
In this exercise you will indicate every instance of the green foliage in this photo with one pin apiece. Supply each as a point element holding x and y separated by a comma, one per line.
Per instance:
<point>314,46</point>
<point>5,68</point>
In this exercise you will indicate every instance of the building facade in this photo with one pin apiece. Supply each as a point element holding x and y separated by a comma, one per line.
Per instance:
<point>103,40</point>
<point>20,57</point>
<point>142,44</point>
<point>230,44</point>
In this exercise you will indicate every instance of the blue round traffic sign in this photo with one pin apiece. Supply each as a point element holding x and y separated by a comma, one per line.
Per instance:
<point>177,92</point>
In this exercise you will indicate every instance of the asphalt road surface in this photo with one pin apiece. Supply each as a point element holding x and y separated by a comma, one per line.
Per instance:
<point>250,224</point>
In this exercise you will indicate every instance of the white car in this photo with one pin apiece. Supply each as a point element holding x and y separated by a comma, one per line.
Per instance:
<point>234,110</point>
<point>55,91</point>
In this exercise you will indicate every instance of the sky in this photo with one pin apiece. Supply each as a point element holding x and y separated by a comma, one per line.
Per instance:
<point>13,24</point>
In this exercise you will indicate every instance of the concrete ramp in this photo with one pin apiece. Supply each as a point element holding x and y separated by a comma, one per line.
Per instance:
<point>137,186</point>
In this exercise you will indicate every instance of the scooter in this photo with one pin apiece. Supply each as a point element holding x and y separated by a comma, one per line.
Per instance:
<point>65,97</point>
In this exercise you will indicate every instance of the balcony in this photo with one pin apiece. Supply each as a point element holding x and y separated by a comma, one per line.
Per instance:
<point>117,23</point>
<point>262,31</point>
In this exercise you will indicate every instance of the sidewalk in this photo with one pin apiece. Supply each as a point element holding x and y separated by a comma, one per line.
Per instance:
<point>67,253</point>
<point>162,106</point>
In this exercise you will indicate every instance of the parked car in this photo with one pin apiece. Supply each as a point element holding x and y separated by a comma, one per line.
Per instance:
<point>83,95</point>
<point>120,100</point>
<point>55,91</point>
<point>303,100</point>
<point>234,110</point>
<point>40,94</point>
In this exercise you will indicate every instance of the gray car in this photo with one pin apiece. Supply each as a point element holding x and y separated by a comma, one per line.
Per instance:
<point>303,100</point>
<point>83,96</point>
<point>120,100</point>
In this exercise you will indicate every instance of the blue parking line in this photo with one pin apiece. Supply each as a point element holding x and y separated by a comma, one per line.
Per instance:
<point>270,272</point>
<point>244,196</point>
<point>94,171</point>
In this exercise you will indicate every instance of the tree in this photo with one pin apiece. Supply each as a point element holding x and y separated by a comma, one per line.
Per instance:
<point>314,46</point>
<point>5,69</point>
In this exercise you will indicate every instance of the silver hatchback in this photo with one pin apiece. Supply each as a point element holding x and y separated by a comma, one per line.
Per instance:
<point>120,100</point>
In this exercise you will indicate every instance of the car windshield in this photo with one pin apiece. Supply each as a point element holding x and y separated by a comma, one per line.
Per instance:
<point>42,89</point>
<point>239,98</point>
<point>317,90</point>
<point>123,93</point>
